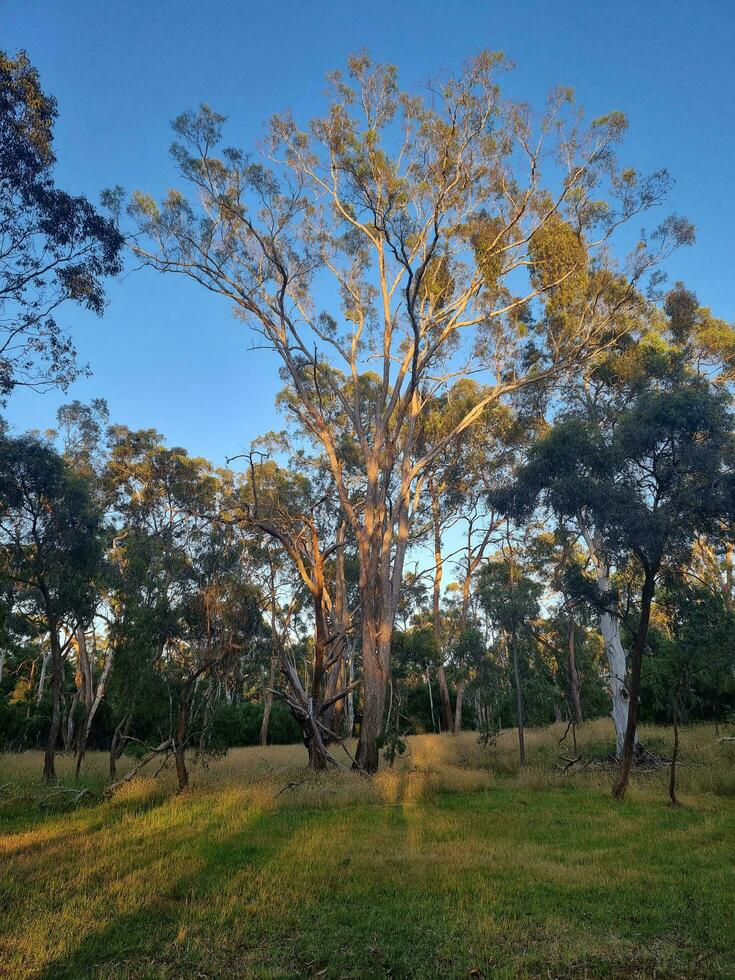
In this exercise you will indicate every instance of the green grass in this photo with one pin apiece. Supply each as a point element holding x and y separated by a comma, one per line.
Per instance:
<point>405,875</point>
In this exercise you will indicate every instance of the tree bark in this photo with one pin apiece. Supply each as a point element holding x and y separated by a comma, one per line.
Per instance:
<point>180,746</point>
<point>573,674</point>
<point>446,704</point>
<point>431,700</point>
<point>118,741</point>
<point>458,707</point>
<point>268,703</point>
<point>49,767</point>
<point>626,762</point>
<point>42,678</point>
<point>519,701</point>
<point>674,756</point>
<point>86,727</point>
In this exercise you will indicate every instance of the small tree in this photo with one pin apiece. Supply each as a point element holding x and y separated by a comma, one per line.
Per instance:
<point>51,550</point>
<point>649,487</point>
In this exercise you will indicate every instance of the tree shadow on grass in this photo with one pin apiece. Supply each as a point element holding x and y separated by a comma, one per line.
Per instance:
<point>148,941</point>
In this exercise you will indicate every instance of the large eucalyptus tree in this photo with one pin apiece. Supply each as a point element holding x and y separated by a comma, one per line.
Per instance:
<point>394,235</point>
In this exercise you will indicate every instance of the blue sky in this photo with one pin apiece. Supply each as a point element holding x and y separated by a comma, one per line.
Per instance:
<point>169,356</point>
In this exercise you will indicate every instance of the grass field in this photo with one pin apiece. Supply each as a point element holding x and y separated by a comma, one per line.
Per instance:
<point>451,864</point>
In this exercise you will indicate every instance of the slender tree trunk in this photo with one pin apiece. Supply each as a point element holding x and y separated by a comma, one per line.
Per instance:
<point>621,784</point>
<point>180,749</point>
<point>118,741</point>
<point>446,704</point>
<point>70,722</point>
<point>573,674</point>
<point>49,767</point>
<point>2,665</point>
<point>268,703</point>
<point>458,707</point>
<point>275,657</point>
<point>99,694</point>
<point>614,650</point>
<point>42,678</point>
<point>431,700</point>
<point>519,701</point>
<point>728,576</point>
<point>674,756</point>
<point>350,699</point>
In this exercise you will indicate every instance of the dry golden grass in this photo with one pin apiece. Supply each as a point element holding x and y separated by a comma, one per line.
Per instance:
<point>277,775</point>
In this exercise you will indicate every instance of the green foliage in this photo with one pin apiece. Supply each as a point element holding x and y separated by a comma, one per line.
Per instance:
<point>56,247</point>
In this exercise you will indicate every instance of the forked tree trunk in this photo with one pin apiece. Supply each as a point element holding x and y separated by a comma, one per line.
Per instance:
<point>118,741</point>
<point>86,727</point>
<point>626,762</point>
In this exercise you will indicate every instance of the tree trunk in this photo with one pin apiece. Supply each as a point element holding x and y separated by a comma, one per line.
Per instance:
<point>458,707</point>
<point>49,768</point>
<point>268,703</point>
<point>42,678</point>
<point>377,629</point>
<point>446,704</point>
<point>674,757</point>
<point>573,674</point>
<point>431,700</point>
<point>68,725</point>
<point>629,744</point>
<point>180,749</point>
<point>118,741</point>
<point>519,701</point>
<point>350,699</point>
<point>375,680</point>
<point>614,650</point>
<point>86,727</point>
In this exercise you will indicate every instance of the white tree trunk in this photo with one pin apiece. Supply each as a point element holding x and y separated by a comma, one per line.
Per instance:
<point>42,678</point>
<point>617,669</point>
<point>614,650</point>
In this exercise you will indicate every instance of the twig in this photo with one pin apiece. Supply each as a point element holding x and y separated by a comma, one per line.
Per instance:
<point>288,786</point>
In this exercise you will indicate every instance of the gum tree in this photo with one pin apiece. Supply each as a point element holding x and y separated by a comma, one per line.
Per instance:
<point>55,248</point>
<point>50,552</point>
<point>395,235</point>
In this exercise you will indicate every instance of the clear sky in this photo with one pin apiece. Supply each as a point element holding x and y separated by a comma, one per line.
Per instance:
<point>169,356</point>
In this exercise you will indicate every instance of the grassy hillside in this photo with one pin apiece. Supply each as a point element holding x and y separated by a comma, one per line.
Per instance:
<point>452,864</point>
